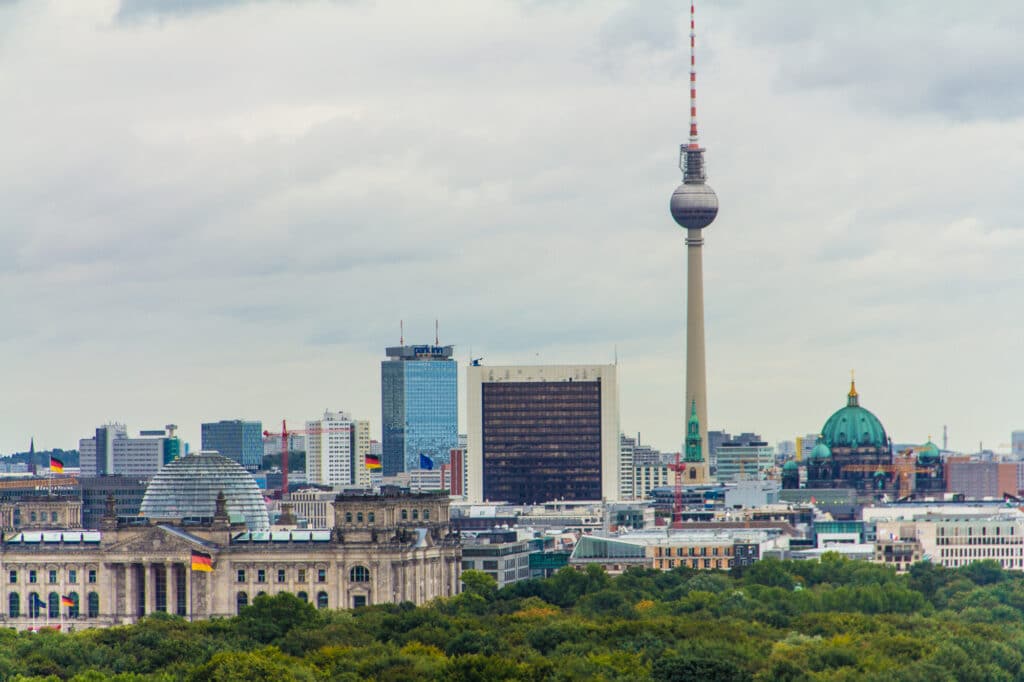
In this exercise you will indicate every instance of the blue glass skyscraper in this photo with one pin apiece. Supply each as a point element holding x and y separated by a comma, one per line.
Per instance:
<point>236,439</point>
<point>419,406</point>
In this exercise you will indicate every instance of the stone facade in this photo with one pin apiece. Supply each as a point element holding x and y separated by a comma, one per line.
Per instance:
<point>403,549</point>
<point>41,512</point>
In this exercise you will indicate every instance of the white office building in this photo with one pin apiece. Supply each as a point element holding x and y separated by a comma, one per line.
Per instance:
<point>329,450</point>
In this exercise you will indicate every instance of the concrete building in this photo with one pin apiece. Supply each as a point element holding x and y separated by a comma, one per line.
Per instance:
<point>127,492</point>
<point>744,456</point>
<point>382,549</point>
<point>236,439</point>
<point>665,550</point>
<point>503,555</point>
<point>1017,445</point>
<point>539,433</point>
<point>978,480</point>
<point>314,506</point>
<point>272,444</point>
<point>419,406</point>
<point>336,449</point>
<point>111,451</point>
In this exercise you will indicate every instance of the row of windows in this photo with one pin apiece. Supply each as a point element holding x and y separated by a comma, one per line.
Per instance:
<point>36,607</point>
<point>52,576</point>
<point>694,563</point>
<point>968,540</point>
<point>42,517</point>
<point>242,599</point>
<point>358,574</point>
<point>693,551</point>
<point>999,551</point>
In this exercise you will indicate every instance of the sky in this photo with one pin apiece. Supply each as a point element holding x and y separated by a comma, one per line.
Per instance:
<point>215,209</point>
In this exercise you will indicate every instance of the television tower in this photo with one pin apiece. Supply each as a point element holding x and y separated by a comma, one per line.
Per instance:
<point>694,206</point>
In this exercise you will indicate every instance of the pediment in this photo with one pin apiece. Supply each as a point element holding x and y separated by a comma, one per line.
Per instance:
<point>155,541</point>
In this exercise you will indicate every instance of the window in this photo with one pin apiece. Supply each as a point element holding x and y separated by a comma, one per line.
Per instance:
<point>261,575</point>
<point>32,517</point>
<point>370,517</point>
<point>426,514</point>
<point>359,574</point>
<point>72,576</point>
<point>94,605</point>
<point>405,514</point>
<point>92,575</point>
<point>13,605</point>
<point>34,602</point>
<point>52,575</point>
<point>54,605</point>
<point>321,600</point>
<point>302,575</point>
<point>241,575</point>
<point>73,609</point>
<point>415,514</point>
<point>32,578</point>
<point>281,575</point>
<point>53,517</point>
<point>241,601</point>
<point>321,575</point>
<point>303,596</point>
<point>348,517</point>
<point>13,577</point>
<point>358,600</point>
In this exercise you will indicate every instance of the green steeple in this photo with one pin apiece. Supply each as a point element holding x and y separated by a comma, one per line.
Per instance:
<point>693,440</point>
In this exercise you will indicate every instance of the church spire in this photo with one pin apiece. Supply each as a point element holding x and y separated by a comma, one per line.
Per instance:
<point>851,397</point>
<point>693,440</point>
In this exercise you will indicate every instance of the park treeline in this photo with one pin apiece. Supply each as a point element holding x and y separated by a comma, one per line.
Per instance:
<point>833,620</point>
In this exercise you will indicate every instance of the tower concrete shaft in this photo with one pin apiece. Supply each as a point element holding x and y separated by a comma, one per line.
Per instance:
<point>696,378</point>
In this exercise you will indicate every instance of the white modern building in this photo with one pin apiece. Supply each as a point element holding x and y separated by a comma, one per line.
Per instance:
<point>329,451</point>
<point>111,451</point>
<point>540,433</point>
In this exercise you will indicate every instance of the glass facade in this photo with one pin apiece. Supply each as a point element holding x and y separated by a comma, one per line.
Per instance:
<point>541,441</point>
<point>419,407</point>
<point>236,439</point>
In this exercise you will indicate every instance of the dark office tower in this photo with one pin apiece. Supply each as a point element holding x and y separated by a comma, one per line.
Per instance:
<point>419,406</point>
<point>538,434</point>
<point>236,439</point>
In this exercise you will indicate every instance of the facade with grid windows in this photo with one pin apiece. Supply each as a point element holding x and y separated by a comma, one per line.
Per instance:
<point>543,433</point>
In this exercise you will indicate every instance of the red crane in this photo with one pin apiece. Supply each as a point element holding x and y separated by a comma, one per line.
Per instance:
<point>677,506</point>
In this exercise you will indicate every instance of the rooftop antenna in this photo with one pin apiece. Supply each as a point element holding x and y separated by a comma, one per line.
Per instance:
<point>945,438</point>
<point>401,332</point>
<point>693,80</point>
<point>437,338</point>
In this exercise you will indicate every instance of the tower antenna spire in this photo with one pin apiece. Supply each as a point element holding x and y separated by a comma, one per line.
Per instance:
<point>401,332</point>
<point>693,79</point>
<point>437,337</point>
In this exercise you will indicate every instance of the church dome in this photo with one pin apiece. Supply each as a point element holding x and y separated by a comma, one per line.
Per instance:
<point>791,465</point>
<point>928,454</point>
<point>821,451</point>
<point>854,427</point>
<point>187,489</point>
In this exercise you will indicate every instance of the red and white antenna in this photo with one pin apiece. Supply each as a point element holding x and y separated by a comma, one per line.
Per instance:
<point>693,81</point>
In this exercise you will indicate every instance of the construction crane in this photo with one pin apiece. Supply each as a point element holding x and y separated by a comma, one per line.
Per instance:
<point>903,470</point>
<point>284,446</point>
<point>677,505</point>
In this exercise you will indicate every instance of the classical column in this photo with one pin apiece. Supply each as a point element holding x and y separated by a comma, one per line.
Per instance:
<point>171,588</point>
<point>149,571</point>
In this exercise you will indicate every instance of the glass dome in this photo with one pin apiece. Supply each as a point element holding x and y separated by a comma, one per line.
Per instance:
<point>187,488</point>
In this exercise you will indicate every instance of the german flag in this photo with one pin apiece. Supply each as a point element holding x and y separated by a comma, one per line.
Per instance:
<point>67,601</point>
<point>56,466</point>
<point>202,562</point>
<point>372,462</point>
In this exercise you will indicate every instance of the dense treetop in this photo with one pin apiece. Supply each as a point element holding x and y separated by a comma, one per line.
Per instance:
<point>833,620</point>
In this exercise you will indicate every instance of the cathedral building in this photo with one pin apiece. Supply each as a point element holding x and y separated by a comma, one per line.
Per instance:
<point>853,450</point>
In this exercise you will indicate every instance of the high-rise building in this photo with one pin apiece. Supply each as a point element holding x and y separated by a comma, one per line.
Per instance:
<point>694,206</point>
<point>236,439</point>
<point>419,406</point>
<point>329,450</point>
<point>360,449</point>
<point>1017,445</point>
<point>111,451</point>
<point>541,433</point>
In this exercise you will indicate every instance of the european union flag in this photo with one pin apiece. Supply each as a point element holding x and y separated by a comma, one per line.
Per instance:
<point>37,602</point>
<point>426,464</point>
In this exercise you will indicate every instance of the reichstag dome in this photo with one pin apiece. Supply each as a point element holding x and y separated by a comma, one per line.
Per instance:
<point>186,491</point>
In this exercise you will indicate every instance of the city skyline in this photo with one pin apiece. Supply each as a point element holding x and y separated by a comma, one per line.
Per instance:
<point>176,214</point>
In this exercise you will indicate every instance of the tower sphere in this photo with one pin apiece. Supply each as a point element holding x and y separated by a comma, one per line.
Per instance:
<point>694,205</point>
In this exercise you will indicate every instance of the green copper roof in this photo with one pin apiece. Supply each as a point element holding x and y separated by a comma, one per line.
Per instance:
<point>929,453</point>
<point>821,451</point>
<point>791,465</point>
<point>853,426</point>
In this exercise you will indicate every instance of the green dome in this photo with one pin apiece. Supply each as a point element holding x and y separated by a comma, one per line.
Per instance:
<point>821,451</point>
<point>791,465</point>
<point>928,454</point>
<point>854,427</point>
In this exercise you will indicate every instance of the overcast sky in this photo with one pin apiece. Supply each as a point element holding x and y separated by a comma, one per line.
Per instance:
<point>215,209</point>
